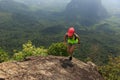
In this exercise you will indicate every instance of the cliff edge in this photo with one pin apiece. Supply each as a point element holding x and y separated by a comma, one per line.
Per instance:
<point>49,68</point>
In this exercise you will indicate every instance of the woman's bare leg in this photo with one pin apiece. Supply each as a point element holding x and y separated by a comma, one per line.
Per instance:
<point>72,49</point>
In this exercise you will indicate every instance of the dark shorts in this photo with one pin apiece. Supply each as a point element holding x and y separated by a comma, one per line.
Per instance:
<point>69,44</point>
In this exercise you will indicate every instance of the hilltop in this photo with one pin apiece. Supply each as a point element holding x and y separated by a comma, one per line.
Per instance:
<point>49,68</point>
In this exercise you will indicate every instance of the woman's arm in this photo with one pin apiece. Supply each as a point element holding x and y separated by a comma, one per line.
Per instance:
<point>78,38</point>
<point>65,38</point>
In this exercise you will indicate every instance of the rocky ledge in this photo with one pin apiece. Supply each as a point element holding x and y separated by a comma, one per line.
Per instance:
<point>49,68</point>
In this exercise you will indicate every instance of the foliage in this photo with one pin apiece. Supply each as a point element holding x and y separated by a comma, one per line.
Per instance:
<point>58,49</point>
<point>18,56</point>
<point>29,50</point>
<point>91,51</point>
<point>3,56</point>
<point>111,71</point>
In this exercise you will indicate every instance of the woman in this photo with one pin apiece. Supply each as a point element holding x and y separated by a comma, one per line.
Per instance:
<point>71,38</point>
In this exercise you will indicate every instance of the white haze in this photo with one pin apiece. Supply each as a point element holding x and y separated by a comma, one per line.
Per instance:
<point>46,4</point>
<point>112,6</point>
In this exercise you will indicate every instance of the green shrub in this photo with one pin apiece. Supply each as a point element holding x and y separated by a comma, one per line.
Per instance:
<point>40,51</point>
<point>58,49</point>
<point>29,50</point>
<point>111,71</point>
<point>3,56</point>
<point>18,56</point>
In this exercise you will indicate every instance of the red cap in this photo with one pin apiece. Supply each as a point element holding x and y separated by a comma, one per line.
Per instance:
<point>71,31</point>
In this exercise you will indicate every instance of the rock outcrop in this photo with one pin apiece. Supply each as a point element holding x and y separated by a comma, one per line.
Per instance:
<point>49,68</point>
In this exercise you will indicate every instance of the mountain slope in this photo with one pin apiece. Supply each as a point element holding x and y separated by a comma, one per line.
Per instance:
<point>85,12</point>
<point>12,6</point>
<point>49,68</point>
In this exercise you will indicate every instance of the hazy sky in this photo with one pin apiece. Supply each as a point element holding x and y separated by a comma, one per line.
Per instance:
<point>106,3</point>
<point>110,5</point>
<point>113,6</point>
<point>46,4</point>
<point>45,1</point>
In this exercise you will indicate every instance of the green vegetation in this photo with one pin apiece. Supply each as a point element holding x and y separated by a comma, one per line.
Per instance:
<point>111,71</point>
<point>3,56</point>
<point>58,49</point>
<point>97,41</point>
<point>29,50</point>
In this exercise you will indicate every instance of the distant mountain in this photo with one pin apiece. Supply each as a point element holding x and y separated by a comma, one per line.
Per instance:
<point>19,12</point>
<point>85,12</point>
<point>12,6</point>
